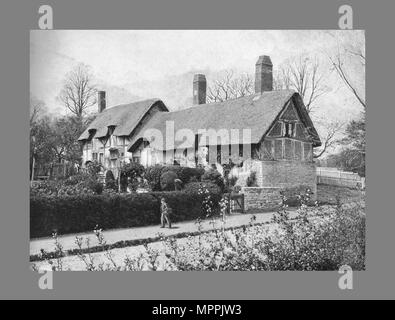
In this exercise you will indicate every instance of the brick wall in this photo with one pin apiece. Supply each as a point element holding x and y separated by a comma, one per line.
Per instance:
<point>261,199</point>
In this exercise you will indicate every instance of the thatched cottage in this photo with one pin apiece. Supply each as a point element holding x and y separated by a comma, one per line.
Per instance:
<point>269,132</point>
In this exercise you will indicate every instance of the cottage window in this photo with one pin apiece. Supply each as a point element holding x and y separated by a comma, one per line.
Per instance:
<point>101,158</point>
<point>136,159</point>
<point>289,129</point>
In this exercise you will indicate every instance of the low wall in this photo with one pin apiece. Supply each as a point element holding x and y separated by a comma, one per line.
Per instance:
<point>336,177</point>
<point>261,198</point>
<point>280,175</point>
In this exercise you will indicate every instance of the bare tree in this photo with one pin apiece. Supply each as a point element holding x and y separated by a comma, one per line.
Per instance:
<point>230,86</point>
<point>339,63</point>
<point>329,137</point>
<point>37,109</point>
<point>78,92</point>
<point>304,75</point>
<point>348,61</point>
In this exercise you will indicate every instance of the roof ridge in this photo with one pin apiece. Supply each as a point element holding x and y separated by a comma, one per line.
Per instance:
<point>128,104</point>
<point>233,99</point>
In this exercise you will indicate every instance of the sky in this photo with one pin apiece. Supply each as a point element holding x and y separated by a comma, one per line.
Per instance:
<point>132,65</point>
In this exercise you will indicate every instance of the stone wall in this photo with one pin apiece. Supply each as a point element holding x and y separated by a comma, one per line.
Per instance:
<point>288,174</point>
<point>261,199</point>
<point>281,174</point>
<point>274,177</point>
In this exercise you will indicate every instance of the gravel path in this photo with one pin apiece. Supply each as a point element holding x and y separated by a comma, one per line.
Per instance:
<point>113,236</point>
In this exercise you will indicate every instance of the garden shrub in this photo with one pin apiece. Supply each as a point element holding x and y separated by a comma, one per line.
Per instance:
<point>172,168</point>
<point>232,181</point>
<point>178,184</point>
<point>251,180</point>
<point>292,196</point>
<point>83,212</point>
<point>130,173</point>
<point>194,187</point>
<point>307,245</point>
<point>185,174</point>
<point>110,181</point>
<point>95,186</point>
<point>152,174</point>
<point>79,184</point>
<point>236,189</point>
<point>215,177</point>
<point>94,168</point>
<point>167,180</point>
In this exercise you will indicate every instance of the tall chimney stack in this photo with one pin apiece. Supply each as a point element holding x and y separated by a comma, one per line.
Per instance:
<point>101,100</point>
<point>263,75</point>
<point>199,89</point>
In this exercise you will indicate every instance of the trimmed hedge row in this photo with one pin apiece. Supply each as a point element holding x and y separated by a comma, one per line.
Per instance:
<point>154,173</point>
<point>82,213</point>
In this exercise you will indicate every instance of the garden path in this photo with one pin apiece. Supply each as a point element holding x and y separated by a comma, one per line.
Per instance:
<point>113,236</point>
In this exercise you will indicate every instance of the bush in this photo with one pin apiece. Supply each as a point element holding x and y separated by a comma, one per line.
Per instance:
<point>232,181</point>
<point>251,180</point>
<point>294,196</point>
<point>152,175</point>
<point>74,185</point>
<point>305,244</point>
<point>130,174</point>
<point>167,181</point>
<point>185,174</point>
<point>178,184</point>
<point>236,189</point>
<point>110,181</point>
<point>94,168</point>
<point>95,186</point>
<point>109,176</point>
<point>215,177</point>
<point>194,187</point>
<point>83,212</point>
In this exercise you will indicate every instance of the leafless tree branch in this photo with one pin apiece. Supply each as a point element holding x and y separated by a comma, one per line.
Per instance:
<point>304,75</point>
<point>78,93</point>
<point>230,86</point>
<point>330,138</point>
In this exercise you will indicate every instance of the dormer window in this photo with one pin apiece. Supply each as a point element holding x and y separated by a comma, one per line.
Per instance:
<point>111,130</point>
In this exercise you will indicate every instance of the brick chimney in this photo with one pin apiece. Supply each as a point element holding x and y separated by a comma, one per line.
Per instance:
<point>199,89</point>
<point>101,100</point>
<point>263,75</point>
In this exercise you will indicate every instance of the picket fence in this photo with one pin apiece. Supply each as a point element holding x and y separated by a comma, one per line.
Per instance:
<point>333,176</point>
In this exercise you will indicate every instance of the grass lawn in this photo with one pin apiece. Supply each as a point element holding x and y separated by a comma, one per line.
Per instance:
<point>327,194</point>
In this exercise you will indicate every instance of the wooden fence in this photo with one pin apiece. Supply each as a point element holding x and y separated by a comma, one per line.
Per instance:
<point>54,171</point>
<point>333,176</point>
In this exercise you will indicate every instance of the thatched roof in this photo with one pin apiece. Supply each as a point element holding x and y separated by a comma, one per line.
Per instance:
<point>256,112</point>
<point>124,117</point>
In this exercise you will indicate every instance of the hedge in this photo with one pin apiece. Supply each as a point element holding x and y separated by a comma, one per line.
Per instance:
<point>185,174</point>
<point>82,213</point>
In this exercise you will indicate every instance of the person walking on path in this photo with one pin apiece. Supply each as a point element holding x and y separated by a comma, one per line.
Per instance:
<point>165,213</point>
